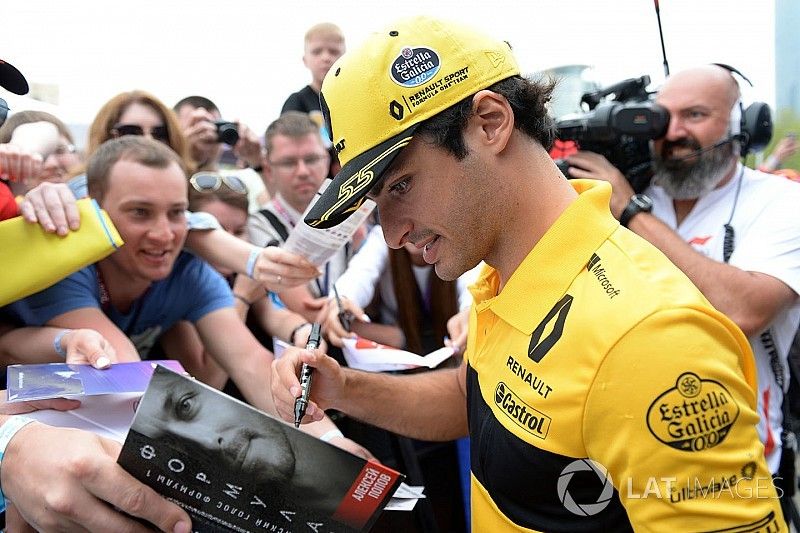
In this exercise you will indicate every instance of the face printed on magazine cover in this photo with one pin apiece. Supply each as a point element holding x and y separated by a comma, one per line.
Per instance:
<point>240,441</point>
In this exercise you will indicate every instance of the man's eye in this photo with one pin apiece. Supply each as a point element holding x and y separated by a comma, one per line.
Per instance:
<point>401,187</point>
<point>185,407</point>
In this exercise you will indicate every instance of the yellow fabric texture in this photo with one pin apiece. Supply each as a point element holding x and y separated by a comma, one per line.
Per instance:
<point>647,379</point>
<point>33,260</point>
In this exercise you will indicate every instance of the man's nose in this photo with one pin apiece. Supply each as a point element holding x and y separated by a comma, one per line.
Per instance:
<point>162,231</point>
<point>396,229</point>
<point>676,129</point>
<point>302,167</point>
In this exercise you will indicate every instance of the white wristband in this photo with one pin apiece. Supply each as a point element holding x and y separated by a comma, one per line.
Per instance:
<point>251,261</point>
<point>57,343</point>
<point>330,435</point>
<point>7,432</point>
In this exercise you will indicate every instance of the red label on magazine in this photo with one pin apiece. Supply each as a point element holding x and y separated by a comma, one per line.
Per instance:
<point>374,485</point>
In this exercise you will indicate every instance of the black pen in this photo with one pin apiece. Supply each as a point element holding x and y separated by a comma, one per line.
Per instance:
<point>301,403</point>
<point>345,317</point>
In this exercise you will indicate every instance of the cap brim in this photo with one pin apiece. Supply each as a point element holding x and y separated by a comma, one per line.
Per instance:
<point>12,79</point>
<point>356,178</point>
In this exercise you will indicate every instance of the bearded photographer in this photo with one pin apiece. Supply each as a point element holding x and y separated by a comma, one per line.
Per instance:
<point>732,230</point>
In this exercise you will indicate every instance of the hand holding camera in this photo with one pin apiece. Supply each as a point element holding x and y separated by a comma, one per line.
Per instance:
<point>248,148</point>
<point>226,132</point>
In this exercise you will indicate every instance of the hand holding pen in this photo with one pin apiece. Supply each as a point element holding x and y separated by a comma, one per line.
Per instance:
<point>306,376</point>
<point>341,314</point>
<point>345,317</point>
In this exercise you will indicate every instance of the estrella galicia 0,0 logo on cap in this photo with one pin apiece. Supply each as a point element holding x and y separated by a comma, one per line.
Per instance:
<point>415,66</point>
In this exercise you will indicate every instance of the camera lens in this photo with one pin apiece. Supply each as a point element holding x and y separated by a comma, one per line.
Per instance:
<point>227,132</point>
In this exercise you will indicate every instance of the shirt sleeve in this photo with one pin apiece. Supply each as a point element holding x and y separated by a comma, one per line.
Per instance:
<point>671,415</point>
<point>77,291</point>
<point>79,186</point>
<point>200,220</point>
<point>772,242</point>
<point>364,270</point>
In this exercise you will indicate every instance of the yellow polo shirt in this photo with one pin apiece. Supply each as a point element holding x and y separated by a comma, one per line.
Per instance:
<point>606,394</point>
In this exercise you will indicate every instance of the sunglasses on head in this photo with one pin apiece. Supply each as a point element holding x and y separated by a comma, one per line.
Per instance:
<point>207,181</point>
<point>158,133</point>
<point>3,111</point>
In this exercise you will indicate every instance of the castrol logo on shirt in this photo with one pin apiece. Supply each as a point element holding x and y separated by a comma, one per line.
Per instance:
<point>694,415</point>
<point>526,417</point>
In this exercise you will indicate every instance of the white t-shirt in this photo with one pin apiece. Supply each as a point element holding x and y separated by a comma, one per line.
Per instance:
<point>766,227</point>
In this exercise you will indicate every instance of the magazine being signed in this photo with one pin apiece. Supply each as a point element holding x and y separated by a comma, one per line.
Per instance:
<point>234,468</point>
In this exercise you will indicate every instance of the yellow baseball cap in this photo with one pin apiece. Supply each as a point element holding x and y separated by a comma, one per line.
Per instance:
<point>376,95</point>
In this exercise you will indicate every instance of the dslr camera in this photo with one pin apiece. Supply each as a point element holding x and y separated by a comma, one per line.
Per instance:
<point>227,132</point>
<point>620,122</point>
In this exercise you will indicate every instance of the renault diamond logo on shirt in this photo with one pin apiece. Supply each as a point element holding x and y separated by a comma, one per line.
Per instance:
<point>555,319</point>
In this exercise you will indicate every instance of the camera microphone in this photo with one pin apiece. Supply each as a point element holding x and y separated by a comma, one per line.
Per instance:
<point>719,144</point>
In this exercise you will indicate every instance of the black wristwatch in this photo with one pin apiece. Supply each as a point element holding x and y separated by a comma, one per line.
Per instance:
<point>639,203</point>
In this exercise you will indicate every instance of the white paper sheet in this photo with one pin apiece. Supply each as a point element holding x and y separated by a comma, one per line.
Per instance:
<point>319,245</point>
<point>364,354</point>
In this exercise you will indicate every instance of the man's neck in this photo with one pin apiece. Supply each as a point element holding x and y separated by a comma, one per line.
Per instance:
<point>122,290</point>
<point>532,205</point>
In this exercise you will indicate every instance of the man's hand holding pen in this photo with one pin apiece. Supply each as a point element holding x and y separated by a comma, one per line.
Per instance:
<point>328,383</point>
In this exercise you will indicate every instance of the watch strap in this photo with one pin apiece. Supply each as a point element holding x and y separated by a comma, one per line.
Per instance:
<point>633,208</point>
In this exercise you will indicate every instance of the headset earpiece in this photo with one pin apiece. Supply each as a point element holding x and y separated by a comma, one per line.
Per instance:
<point>752,126</point>
<point>758,119</point>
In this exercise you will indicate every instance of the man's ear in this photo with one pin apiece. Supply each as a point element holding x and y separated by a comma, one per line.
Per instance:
<point>266,173</point>
<point>492,120</point>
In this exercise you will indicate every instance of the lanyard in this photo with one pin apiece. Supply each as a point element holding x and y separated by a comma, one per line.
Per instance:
<point>105,302</point>
<point>323,286</point>
<point>283,212</point>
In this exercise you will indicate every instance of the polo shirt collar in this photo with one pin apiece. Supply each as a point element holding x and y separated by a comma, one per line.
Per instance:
<point>546,273</point>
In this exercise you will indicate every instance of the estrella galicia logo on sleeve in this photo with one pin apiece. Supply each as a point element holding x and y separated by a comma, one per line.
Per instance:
<point>554,320</point>
<point>415,66</point>
<point>694,415</point>
<point>529,419</point>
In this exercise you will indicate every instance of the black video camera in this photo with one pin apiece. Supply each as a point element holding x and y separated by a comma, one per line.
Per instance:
<point>227,132</point>
<point>620,123</point>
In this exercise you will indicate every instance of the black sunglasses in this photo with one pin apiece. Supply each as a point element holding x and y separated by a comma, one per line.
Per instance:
<point>159,133</point>
<point>208,181</point>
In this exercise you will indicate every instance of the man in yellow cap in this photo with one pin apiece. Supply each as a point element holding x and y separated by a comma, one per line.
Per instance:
<point>600,390</point>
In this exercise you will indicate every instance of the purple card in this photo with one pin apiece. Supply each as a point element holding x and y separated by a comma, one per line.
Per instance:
<point>61,380</point>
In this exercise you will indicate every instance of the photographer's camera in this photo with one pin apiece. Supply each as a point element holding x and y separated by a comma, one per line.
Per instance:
<point>227,132</point>
<point>620,123</point>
